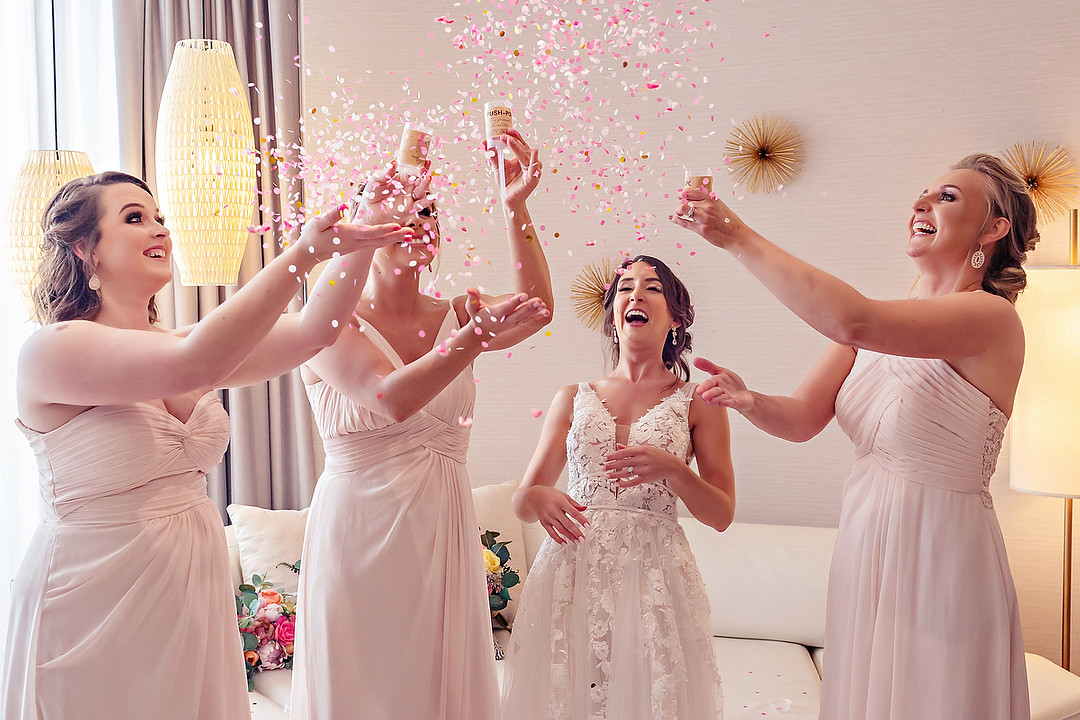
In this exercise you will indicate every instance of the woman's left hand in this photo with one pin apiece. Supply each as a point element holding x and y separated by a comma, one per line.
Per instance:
<point>705,214</point>
<point>637,464</point>
<point>523,169</point>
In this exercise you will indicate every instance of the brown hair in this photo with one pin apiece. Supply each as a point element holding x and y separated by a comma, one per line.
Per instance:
<point>1009,199</point>
<point>678,302</point>
<point>72,220</point>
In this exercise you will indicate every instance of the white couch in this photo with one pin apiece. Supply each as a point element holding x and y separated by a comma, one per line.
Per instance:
<point>766,584</point>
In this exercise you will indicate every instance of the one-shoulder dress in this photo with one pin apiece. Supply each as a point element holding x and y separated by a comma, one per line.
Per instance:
<point>123,606</point>
<point>922,619</point>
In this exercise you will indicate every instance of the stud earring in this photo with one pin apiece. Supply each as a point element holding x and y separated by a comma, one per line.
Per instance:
<point>977,259</point>
<point>674,337</point>
<point>94,283</point>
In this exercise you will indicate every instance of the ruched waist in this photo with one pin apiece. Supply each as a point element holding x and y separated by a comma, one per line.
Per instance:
<point>347,452</point>
<point>158,498</point>
<point>945,478</point>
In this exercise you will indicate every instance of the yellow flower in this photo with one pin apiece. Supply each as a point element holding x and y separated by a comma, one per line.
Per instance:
<point>491,561</point>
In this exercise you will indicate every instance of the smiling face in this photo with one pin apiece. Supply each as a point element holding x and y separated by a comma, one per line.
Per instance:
<point>135,249</point>
<point>423,249</point>
<point>949,219</point>
<point>640,309</point>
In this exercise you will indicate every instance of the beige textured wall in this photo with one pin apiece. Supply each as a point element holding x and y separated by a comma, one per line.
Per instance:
<point>886,96</point>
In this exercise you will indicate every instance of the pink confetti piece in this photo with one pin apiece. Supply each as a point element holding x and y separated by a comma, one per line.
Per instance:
<point>536,413</point>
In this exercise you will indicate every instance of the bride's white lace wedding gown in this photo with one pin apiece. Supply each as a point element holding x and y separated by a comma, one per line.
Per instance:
<point>616,626</point>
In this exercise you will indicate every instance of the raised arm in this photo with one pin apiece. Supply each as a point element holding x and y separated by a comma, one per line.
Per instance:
<point>954,325</point>
<point>296,337</point>
<point>796,417</point>
<point>87,363</point>
<point>356,368</point>
<point>536,499</point>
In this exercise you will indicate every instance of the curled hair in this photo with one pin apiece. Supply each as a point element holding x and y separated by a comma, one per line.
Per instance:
<point>678,302</point>
<point>1009,199</point>
<point>72,221</point>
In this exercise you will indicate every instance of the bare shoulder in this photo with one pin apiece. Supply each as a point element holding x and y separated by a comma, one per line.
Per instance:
<point>702,414</point>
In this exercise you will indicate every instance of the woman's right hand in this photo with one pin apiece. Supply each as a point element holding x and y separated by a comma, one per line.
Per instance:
<point>724,387</point>
<point>325,235</point>
<point>557,513</point>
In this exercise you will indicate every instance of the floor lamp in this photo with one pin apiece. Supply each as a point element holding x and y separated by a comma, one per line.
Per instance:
<point>1045,424</point>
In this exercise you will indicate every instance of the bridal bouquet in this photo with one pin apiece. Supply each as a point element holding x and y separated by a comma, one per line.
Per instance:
<point>500,576</point>
<point>267,621</point>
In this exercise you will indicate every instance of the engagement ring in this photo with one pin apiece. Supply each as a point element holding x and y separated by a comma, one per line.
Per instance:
<point>689,213</point>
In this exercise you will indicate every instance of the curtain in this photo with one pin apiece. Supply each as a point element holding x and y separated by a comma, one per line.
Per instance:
<point>272,460</point>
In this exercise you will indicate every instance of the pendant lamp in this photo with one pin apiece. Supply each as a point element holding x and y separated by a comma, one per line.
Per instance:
<point>206,162</point>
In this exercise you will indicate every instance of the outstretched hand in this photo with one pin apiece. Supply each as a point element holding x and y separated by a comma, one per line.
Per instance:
<point>492,321</point>
<point>704,213</point>
<point>523,169</point>
<point>391,196</point>
<point>325,235</point>
<point>724,387</point>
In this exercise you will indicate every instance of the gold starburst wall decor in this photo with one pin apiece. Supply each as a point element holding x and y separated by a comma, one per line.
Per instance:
<point>587,291</point>
<point>1050,176</point>
<point>764,153</point>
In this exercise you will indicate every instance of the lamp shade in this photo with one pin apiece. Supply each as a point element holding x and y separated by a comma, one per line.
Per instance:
<point>42,174</point>
<point>1045,424</point>
<point>206,162</point>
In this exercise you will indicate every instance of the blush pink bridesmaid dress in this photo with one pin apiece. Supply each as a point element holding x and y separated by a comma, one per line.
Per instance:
<point>123,607</point>
<point>922,618</point>
<point>393,618</point>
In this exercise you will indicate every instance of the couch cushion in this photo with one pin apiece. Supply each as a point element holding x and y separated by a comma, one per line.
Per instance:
<point>765,581</point>
<point>1055,692</point>
<point>275,686</point>
<point>494,512</point>
<point>765,678</point>
<point>266,538</point>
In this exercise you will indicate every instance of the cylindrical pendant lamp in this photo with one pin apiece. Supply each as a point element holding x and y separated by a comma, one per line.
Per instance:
<point>42,174</point>
<point>206,162</point>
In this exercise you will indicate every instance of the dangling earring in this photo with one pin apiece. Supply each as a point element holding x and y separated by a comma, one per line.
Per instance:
<point>614,336</point>
<point>674,337</point>
<point>94,283</point>
<point>977,259</point>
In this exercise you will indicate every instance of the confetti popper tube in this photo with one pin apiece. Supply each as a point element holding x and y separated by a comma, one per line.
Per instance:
<point>497,120</point>
<point>414,151</point>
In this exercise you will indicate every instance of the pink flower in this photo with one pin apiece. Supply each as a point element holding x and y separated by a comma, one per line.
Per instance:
<point>263,629</point>
<point>271,612</point>
<point>272,655</point>
<point>286,631</point>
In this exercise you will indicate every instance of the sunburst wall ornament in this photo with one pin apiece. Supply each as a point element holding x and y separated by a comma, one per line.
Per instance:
<point>765,153</point>
<point>1050,176</point>
<point>587,291</point>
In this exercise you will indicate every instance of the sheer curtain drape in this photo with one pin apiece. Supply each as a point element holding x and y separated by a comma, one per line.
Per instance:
<point>271,460</point>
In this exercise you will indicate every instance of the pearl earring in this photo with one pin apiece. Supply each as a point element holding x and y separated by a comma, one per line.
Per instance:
<point>94,283</point>
<point>674,337</point>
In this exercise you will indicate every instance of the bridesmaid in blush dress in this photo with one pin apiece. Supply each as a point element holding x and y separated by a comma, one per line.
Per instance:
<point>922,618</point>
<point>393,618</point>
<point>122,608</point>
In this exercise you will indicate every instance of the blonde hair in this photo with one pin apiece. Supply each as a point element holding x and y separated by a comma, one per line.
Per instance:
<point>1009,199</point>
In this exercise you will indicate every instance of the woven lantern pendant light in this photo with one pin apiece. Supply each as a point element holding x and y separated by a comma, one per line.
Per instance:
<point>206,162</point>
<point>42,174</point>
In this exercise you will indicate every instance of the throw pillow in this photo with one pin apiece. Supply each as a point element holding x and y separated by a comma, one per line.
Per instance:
<point>266,538</point>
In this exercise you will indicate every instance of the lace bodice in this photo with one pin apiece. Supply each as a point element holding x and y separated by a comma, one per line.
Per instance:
<point>592,436</point>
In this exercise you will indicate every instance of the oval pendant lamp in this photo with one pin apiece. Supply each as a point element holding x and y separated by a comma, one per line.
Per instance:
<point>206,162</point>
<point>42,174</point>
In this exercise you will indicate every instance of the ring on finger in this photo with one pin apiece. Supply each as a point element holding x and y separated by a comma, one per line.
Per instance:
<point>689,213</point>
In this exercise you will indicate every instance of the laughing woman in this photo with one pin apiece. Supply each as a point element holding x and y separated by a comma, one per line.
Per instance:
<point>922,619</point>
<point>614,619</point>
<point>122,608</point>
